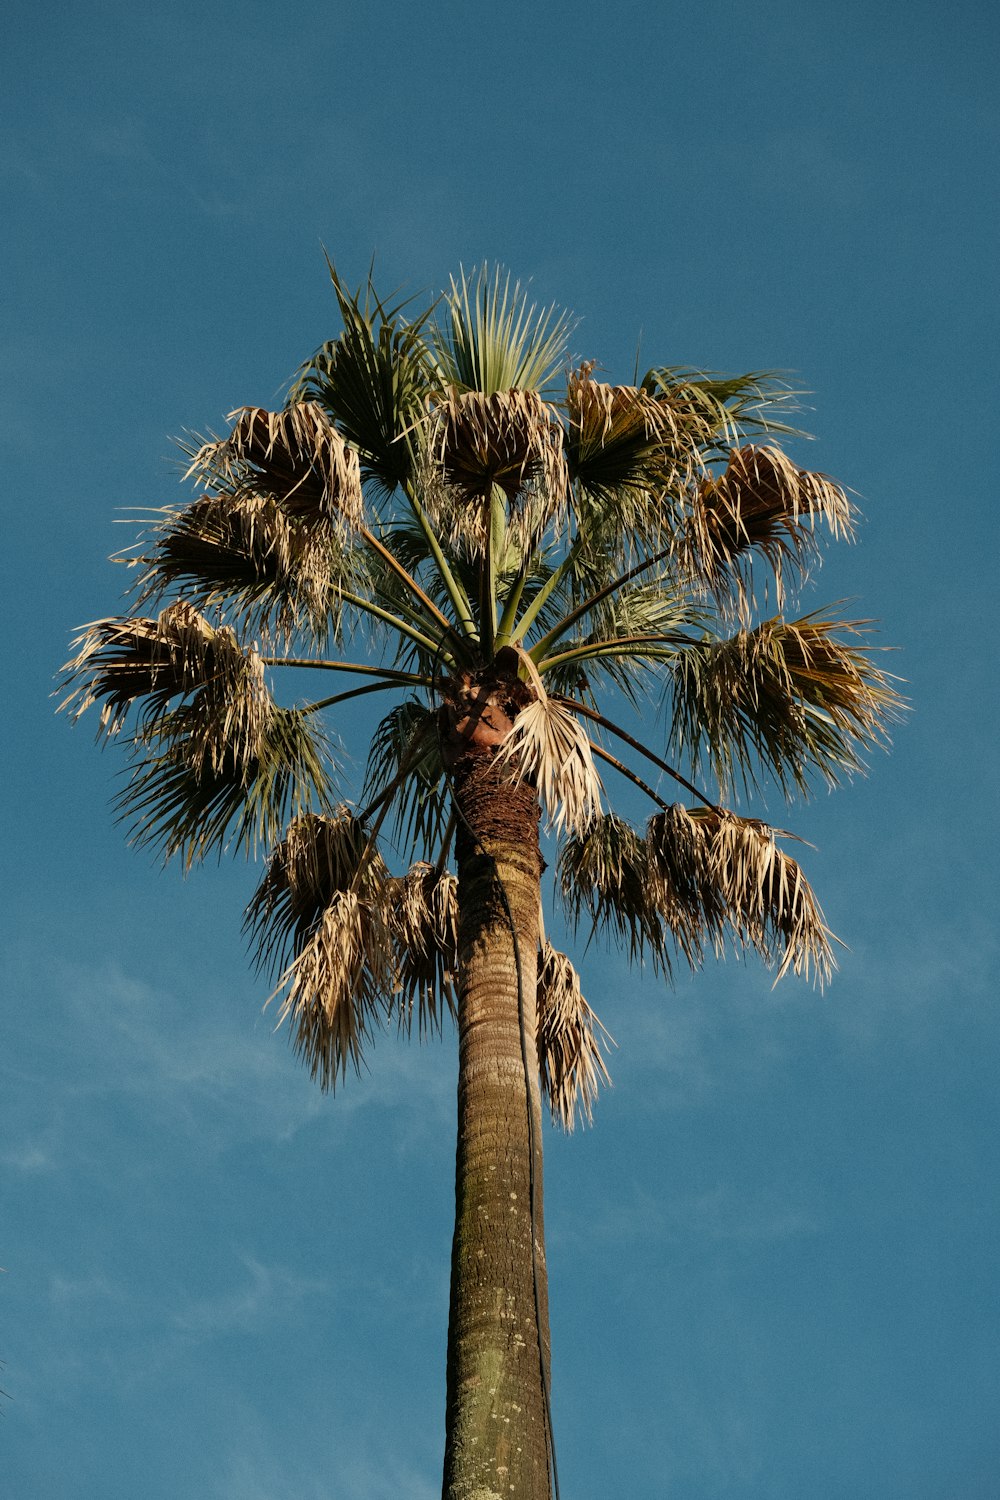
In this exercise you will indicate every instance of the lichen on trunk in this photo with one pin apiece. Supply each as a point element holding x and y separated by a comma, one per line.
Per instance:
<point>498,1331</point>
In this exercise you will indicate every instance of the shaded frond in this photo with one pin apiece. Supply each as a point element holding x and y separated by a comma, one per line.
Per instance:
<point>493,340</point>
<point>569,1041</point>
<point>787,696</point>
<point>762,503</point>
<point>296,457</point>
<point>202,781</point>
<point>406,747</point>
<point>549,748</point>
<point>421,915</point>
<point>630,453</point>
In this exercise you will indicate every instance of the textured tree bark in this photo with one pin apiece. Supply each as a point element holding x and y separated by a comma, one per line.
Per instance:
<point>495,1419</point>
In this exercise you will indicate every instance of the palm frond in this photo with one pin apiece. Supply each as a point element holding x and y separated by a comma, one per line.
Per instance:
<point>318,857</point>
<point>336,990</point>
<point>503,438</point>
<point>374,380</point>
<point>731,406</point>
<point>493,340</point>
<point>296,457</point>
<point>120,662</point>
<point>203,782</point>
<point>604,873</point>
<point>630,455</point>
<point>771,904</point>
<point>406,749</point>
<point>421,916</point>
<point>245,557</point>
<point>788,697</point>
<point>761,504</point>
<point>549,748</point>
<point>569,1040</point>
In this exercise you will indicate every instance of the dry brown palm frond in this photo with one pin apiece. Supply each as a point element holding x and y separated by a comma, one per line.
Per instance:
<point>569,1040</point>
<point>337,987</point>
<point>296,456</point>
<point>122,661</point>
<point>788,694</point>
<point>318,857</point>
<point>604,873</point>
<point>770,903</point>
<point>243,554</point>
<point>504,439</point>
<point>421,915</point>
<point>548,746</point>
<point>762,503</point>
<point>682,873</point>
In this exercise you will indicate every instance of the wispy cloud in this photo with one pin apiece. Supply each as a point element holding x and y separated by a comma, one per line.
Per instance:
<point>266,1293</point>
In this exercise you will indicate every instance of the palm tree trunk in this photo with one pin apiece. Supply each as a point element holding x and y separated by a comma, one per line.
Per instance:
<point>498,1333</point>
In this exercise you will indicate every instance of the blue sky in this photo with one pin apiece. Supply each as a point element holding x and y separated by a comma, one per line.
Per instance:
<point>773,1257</point>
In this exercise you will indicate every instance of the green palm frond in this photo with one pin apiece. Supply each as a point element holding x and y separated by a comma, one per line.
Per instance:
<point>296,457</point>
<point>761,504</point>
<point>404,760</point>
<point>493,340</point>
<point>421,915</point>
<point>569,1041</point>
<point>631,455</point>
<point>787,697</point>
<point>732,406</point>
<point>202,782</point>
<point>373,380</point>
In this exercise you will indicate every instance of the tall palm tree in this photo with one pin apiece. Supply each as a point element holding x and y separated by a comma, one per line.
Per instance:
<point>528,562</point>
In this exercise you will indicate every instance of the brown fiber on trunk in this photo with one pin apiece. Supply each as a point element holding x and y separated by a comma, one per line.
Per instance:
<point>496,1425</point>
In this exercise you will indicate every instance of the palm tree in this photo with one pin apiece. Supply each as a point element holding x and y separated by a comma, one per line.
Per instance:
<point>440,513</point>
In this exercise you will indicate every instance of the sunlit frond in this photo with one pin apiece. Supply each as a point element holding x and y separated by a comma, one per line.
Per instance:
<point>504,438</point>
<point>494,340</point>
<point>421,915</point>
<point>549,747</point>
<point>569,1041</point>
<point>373,380</point>
<point>318,857</point>
<point>787,697</point>
<point>296,457</point>
<point>729,406</point>
<point>243,555</point>
<point>761,504</point>
<point>336,991</point>
<point>771,904</point>
<point>122,662</point>
<point>604,873</point>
